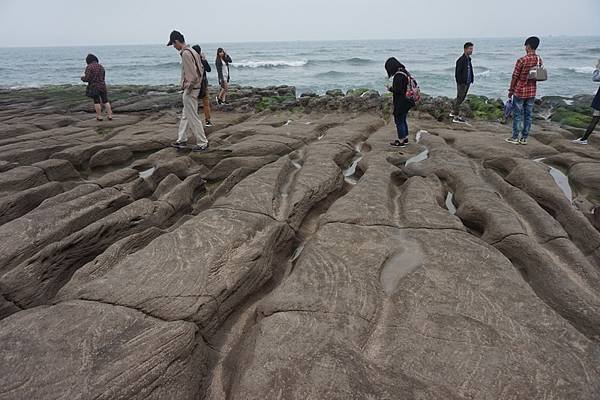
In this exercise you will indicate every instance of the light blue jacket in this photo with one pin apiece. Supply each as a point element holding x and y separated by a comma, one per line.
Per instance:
<point>596,76</point>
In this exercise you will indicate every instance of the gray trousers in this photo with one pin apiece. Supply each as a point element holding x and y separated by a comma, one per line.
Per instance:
<point>461,94</point>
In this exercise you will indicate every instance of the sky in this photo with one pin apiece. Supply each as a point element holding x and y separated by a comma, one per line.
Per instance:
<point>114,22</point>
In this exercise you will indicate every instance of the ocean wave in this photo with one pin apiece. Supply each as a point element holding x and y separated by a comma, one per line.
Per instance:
<point>145,67</point>
<point>582,70</point>
<point>332,74</point>
<point>595,50</point>
<point>270,64</point>
<point>483,73</point>
<point>358,61</point>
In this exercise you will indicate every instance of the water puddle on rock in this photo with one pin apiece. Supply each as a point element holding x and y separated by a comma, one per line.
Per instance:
<point>400,264</point>
<point>147,173</point>
<point>418,158</point>
<point>350,172</point>
<point>297,252</point>
<point>419,134</point>
<point>450,203</point>
<point>560,178</point>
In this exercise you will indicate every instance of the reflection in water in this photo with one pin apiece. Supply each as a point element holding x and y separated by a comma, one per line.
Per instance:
<point>560,178</point>
<point>147,173</point>
<point>450,203</point>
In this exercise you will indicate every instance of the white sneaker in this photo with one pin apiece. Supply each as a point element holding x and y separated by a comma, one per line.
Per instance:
<point>459,120</point>
<point>579,141</point>
<point>451,115</point>
<point>511,140</point>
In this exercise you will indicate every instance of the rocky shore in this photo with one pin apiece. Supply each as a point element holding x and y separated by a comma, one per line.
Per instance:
<point>300,257</point>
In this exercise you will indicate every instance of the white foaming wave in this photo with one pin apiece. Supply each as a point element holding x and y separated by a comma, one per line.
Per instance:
<point>483,73</point>
<point>270,64</point>
<point>582,70</point>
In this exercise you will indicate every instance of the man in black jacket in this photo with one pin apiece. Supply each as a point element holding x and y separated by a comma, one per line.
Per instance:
<point>464,78</point>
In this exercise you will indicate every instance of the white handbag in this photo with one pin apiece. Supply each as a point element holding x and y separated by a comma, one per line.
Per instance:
<point>539,72</point>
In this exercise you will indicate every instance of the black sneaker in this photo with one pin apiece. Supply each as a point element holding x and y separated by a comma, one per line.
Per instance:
<point>179,145</point>
<point>198,148</point>
<point>218,100</point>
<point>209,124</point>
<point>397,143</point>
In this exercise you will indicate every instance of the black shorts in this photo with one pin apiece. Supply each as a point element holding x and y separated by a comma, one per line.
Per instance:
<point>102,97</point>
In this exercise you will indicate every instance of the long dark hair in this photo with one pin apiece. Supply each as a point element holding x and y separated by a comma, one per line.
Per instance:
<point>219,50</point>
<point>392,65</point>
<point>91,59</point>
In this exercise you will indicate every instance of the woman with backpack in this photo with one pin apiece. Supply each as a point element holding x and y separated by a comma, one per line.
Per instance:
<point>204,95</point>
<point>222,64</point>
<point>96,89</point>
<point>402,104</point>
<point>595,107</point>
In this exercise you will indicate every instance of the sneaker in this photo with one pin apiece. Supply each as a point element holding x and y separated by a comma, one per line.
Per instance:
<point>209,124</point>
<point>179,145</point>
<point>523,141</point>
<point>198,148</point>
<point>511,140</point>
<point>451,115</point>
<point>218,100</point>
<point>580,141</point>
<point>459,120</point>
<point>398,143</point>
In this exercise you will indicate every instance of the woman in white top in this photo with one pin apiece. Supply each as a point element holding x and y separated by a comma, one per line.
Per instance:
<point>222,64</point>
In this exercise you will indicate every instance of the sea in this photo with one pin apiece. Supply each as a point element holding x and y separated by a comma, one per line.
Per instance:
<point>318,65</point>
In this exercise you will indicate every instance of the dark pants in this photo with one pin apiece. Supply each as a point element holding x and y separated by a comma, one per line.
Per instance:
<point>591,127</point>
<point>101,98</point>
<point>401,125</point>
<point>461,94</point>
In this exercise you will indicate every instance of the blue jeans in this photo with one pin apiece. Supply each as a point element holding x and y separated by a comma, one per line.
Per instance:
<point>401,126</point>
<point>522,117</point>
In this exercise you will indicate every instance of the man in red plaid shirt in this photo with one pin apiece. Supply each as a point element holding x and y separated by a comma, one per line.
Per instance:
<point>523,90</point>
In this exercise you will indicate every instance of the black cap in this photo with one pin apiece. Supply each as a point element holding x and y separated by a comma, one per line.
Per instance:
<point>175,35</point>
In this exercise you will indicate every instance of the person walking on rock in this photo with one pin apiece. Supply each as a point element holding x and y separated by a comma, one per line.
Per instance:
<point>222,63</point>
<point>595,107</point>
<point>204,95</point>
<point>464,79</point>
<point>522,91</point>
<point>96,89</point>
<point>396,70</point>
<point>191,82</point>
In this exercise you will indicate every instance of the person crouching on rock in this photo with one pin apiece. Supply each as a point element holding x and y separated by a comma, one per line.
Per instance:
<point>191,82</point>
<point>204,95</point>
<point>96,89</point>
<point>402,104</point>
<point>595,107</point>
<point>222,64</point>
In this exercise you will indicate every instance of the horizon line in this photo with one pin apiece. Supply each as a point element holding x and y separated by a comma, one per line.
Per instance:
<point>302,41</point>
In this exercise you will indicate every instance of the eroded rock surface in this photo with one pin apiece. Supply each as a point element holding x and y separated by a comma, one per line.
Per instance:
<point>299,258</point>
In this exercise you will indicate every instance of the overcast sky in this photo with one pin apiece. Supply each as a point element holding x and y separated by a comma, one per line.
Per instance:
<point>85,22</point>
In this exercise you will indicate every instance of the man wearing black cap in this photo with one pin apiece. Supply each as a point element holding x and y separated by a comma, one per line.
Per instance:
<point>191,82</point>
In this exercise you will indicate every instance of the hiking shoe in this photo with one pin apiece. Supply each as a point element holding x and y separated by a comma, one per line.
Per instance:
<point>523,141</point>
<point>198,148</point>
<point>179,145</point>
<point>580,141</point>
<point>459,120</point>
<point>219,101</point>
<point>209,124</point>
<point>511,140</point>
<point>451,115</point>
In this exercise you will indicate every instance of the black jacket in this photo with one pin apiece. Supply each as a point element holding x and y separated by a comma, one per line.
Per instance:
<point>206,65</point>
<point>401,104</point>
<point>462,70</point>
